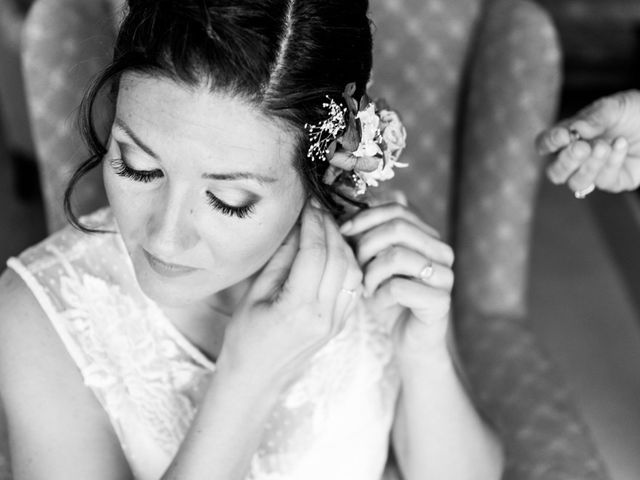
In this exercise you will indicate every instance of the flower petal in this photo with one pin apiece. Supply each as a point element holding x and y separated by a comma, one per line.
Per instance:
<point>351,138</point>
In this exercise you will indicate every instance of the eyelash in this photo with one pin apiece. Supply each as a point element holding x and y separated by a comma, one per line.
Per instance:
<point>145,176</point>
<point>240,212</point>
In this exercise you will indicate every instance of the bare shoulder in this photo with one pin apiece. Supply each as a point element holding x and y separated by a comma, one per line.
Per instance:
<point>31,352</point>
<point>22,322</point>
<point>54,421</point>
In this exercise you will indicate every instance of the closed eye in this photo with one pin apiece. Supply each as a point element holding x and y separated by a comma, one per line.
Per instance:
<point>225,208</point>
<point>146,176</point>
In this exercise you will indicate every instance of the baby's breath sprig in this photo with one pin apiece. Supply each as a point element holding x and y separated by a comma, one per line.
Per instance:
<point>323,135</point>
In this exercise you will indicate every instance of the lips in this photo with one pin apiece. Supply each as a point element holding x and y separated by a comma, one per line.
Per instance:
<point>166,269</point>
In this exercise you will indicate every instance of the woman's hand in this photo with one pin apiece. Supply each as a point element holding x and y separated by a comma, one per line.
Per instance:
<point>406,266</point>
<point>298,302</point>
<point>598,147</point>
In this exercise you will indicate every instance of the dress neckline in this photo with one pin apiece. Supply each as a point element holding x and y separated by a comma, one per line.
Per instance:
<point>176,335</point>
<point>186,344</point>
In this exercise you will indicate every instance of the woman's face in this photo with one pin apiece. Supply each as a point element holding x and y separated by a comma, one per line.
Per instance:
<point>202,186</point>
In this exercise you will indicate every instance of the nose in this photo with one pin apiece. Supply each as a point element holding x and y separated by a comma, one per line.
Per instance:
<point>170,228</point>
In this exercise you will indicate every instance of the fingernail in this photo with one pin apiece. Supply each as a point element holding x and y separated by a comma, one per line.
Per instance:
<point>620,143</point>
<point>346,227</point>
<point>552,177</point>
<point>558,136</point>
<point>580,149</point>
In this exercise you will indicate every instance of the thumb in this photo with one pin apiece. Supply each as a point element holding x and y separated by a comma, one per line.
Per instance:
<point>552,140</point>
<point>598,117</point>
<point>590,122</point>
<point>276,271</point>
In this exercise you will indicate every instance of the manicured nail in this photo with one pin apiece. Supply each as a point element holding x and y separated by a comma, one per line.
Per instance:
<point>346,227</point>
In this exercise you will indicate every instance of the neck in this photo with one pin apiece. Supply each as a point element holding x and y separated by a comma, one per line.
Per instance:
<point>204,322</point>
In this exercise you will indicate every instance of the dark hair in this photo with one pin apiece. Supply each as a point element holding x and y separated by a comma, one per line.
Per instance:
<point>283,56</point>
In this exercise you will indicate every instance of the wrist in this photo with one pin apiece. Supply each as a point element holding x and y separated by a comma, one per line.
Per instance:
<point>430,362</point>
<point>246,383</point>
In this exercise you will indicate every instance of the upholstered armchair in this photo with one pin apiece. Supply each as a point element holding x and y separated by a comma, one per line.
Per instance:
<point>475,80</point>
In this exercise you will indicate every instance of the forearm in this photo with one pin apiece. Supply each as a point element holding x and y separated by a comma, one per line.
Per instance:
<point>437,432</point>
<point>226,431</point>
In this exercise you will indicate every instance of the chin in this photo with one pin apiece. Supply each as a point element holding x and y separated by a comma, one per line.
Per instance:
<point>173,292</point>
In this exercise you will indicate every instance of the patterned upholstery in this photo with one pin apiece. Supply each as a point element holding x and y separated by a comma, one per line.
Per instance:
<point>419,72</point>
<point>66,42</point>
<point>514,81</point>
<point>474,81</point>
<point>496,63</point>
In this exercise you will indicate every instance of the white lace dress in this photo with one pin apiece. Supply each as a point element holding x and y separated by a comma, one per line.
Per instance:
<point>333,424</point>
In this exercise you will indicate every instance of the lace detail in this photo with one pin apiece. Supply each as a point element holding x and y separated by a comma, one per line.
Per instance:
<point>333,423</point>
<point>138,365</point>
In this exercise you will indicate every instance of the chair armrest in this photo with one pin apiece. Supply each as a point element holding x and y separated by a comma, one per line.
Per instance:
<point>5,469</point>
<point>526,399</point>
<point>513,91</point>
<point>65,43</point>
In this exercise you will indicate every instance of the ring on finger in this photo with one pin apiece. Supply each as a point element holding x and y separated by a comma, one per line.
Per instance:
<point>349,291</point>
<point>427,271</point>
<point>580,194</point>
<point>574,135</point>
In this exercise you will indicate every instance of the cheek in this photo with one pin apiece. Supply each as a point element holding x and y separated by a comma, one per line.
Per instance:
<point>128,204</point>
<point>245,246</point>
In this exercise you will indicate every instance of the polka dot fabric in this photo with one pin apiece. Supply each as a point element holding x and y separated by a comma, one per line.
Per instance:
<point>419,60</point>
<point>65,43</point>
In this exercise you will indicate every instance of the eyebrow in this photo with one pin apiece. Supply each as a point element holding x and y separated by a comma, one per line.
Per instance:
<point>124,127</point>
<point>240,176</point>
<point>214,176</point>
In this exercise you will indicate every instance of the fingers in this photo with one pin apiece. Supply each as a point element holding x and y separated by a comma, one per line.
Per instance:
<point>597,118</point>
<point>610,174</point>
<point>342,277</point>
<point>368,219</point>
<point>553,139</point>
<point>598,163</point>
<point>568,161</point>
<point>397,260</point>
<point>308,266</point>
<point>402,233</point>
<point>590,122</point>
<point>426,301</point>
<point>586,174</point>
<point>274,274</point>
<point>390,196</point>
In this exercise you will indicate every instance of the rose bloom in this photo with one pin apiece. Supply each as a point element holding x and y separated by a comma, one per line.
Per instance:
<point>393,133</point>
<point>395,136</point>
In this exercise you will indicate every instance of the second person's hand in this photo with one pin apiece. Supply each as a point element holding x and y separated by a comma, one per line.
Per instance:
<point>599,147</point>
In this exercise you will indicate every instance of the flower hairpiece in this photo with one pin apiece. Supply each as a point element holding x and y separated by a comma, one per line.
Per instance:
<point>361,141</point>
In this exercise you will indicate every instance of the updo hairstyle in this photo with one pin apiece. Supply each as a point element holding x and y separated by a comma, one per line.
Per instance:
<point>283,57</point>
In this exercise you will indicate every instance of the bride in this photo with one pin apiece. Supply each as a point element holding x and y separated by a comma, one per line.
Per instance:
<point>245,307</point>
